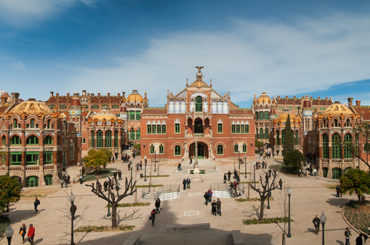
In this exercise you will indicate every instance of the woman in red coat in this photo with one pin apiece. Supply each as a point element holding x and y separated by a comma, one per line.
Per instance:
<point>31,234</point>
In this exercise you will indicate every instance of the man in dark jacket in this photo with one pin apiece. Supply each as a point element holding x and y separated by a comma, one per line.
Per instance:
<point>158,205</point>
<point>218,205</point>
<point>316,223</point>
<point>36,203</point>
<point>152,216</point>
<point>184,184</point>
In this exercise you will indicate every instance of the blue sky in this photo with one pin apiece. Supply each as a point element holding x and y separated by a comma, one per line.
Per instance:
<point>319,48</point>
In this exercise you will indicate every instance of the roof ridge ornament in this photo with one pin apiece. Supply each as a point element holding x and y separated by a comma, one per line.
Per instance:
<point>199,73</point>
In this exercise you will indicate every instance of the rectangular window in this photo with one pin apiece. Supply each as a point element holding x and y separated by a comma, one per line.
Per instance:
<point>177,128</point>
<point>242,130</point>
<point>105,107</point>
<point>137,115</point>
<point>233,129</point>
<point>115,106</point>
<point>154,129</point>
<point>52,107</point>
<point>48,157</point>
<point>15,158</point>
<point>62,107</point>
<point>247,129</point>
<point>83,140</point>
<point>163,129</point>
<point>148,129</point>
<point>219,128</point>
<point>95,107</point>
<point>238,129</point>
<point>159,129</point>
<point>131,115</point>
<point>32,158</point>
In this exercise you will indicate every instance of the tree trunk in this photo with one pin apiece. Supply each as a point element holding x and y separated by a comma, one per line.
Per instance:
<point>262,208</point>
<point>114,215</point>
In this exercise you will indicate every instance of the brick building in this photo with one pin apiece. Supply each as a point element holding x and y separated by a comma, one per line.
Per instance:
<point>197,118</point>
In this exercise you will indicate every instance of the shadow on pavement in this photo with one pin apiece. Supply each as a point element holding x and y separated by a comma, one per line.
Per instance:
<point>21,215</point>
<point>339,202</point>
<point>38,241</point>
<point>158,235</point>
<point>340,242</point>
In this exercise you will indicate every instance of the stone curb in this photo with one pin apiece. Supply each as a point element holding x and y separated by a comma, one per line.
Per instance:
<point>348,223</point>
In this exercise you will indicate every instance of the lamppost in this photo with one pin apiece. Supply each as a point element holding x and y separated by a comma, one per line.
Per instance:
<point>155,161</point>
<point>73,212</point>
<point>289,194</point>
<point>239,161</point>
<point>245,166</point>
<point>323,220</point>
<point>9,234</point>
<point>145,163</point>
<point>254,174</point>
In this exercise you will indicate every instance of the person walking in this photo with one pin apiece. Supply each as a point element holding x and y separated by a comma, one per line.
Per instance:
<point>158,205</point>
<point>214,208</point>
<point>206,198</point>
<point>23,231</point>
<point>152,216</point>
<point>9,234</point>
<point>31,234</point>
<point>36,203</point>
<point>228,175</point>
<point>210,193</point>
<point>316,223</point>
<point>188,181</point>
<point>218,205</point>
<point>347,234</point>
<point>184,184</point>
<point>225,178</point>
<point>281,184</point>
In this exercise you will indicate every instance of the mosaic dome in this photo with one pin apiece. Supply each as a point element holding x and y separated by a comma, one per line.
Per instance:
<point>294,120</point>
<point>134,97</point>
<point>31,107</point>
<point>337,109</point>
<point>264,99</point>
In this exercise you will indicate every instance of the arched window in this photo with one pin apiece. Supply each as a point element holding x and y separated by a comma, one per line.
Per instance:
<point>266,115</point>
<point>48,124</point>
<point>335,122</point>
<point>3,140</point>
<point>336,173</point>
<point>71,150</point>
<point>48,140</point>
<point>277,137</point>
<point>198,103</point>
<point>325,146</point>
<point>92,139</point>
<point>138,135</point>
<point>32,181</point>
<point>260,116</point>
<point>220,150</point>
<point>108,138</point>
<point>261,133</point>
<point>32,140</point>
<point>15,123</point>
<point>266,133</point>
<point>348,123</point>
<point>198,126</point>
<point>151,149</point>
<point>296,137</point>
<point>32,123</point>
<point>161,149</point>
<point>244,147</point>
<point>178,149</point>
<point>336,146</point>
<point>348,146</point>
<point>116,138</point>
<point>236,148</point>
<point>99,138</point>
<point>283,136</point>
<point>256,115</point>
<point>48,179</point>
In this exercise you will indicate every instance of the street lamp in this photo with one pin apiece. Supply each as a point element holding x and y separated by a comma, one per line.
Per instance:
<point>268,200</point>
<point>145,163</point>
<point>254,174</point>
<point>239,161</point>
<point>289,194</point>
<point>245,166</point>
<point>155,161</point>
<point>73,212</point>
<point>9,234</point>
<point>323,220</point>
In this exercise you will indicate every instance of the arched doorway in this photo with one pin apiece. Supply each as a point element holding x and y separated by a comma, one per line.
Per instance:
<point>198,126</point>
<point>202,150</point>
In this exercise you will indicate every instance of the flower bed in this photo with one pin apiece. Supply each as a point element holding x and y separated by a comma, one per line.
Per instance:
<point>147,186</point>
<point>251,199</point>
<point>137,204</point>
<point>90,228</point>
<point>266,221</point>
<point>358,215</point>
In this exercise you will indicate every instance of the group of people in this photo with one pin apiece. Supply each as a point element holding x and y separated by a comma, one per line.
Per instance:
<point>347,233</point>
<point>125,158</point>
<point>208,196</point>
<point>65,180</point>
<point>186,183</point>
<point>216,207</point>
<point>23,232</point>
<point>155,211</point>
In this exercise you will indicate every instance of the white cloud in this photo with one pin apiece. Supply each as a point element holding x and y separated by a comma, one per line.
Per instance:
<point>20,13</point>
<point>249,57</point>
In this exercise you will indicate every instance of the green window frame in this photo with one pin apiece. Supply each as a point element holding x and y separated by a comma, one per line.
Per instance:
<point>296,137</point>
<point>132,135</point>
<point>95,107</point>
<point>3,141</point>
<point>116,138</point>
<point>99,138</point>
<point>137,115</point>
<point>92,139</point>
<point>62,107</point>
<point>261,136</point>
<point>48,157</point>
<point>32,140</point>
<point>108,138</point>
<point>260,116</point>
<point>164,129</point>
<point>238,129</point>
<point>177,128</point>
<point>219,128</point>
<point>138,134</point>
<point>277,137</point>
<point>266,115</point>
<point>32,158</point>
<point>242,129</point>
<point>159,129</point>
<point>148,129</point>
<point>220,150</point>
<point>335,146</point>
<point>15,158</point>
<point>15,123</point>
<point>256,115</point>
<point>48,179</point>
<point>177,150</point>
<point>283,136</point>
<point>198,104</point>
<point>151,149</point>
<point>347,145</point>
<point>154,129</point>
<point>161,149</point>
<point>32,123</point>
<point>266,133</point>
<point>246,128</point>
<point>233,129</point>
<point>244,147</point>
<point>48,140</point>
<point>325,146</point>
<point>32,181</point>
<point>236,148</point>
<point>131,116</point>
<point>115,106</point>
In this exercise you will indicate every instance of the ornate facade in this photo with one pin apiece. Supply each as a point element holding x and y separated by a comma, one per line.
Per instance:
<point>200,122</point>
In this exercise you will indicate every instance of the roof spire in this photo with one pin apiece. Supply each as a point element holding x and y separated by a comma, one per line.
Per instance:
<point>199,73</point>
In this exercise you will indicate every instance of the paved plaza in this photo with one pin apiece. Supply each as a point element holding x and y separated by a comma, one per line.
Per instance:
<point>310,196</point>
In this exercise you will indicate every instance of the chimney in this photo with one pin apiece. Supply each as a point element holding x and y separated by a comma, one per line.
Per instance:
<point>326,98</point>
<point>76,94</point>
<point>4,100</point>
<point>123,94</point>
<point>57,94</point>
<point>98,94</point>
<point>295,97</point>
<point>15,96</point>
<point>108,94</point>
<point>350,99</point>
<point>286,97</point>
<point>67,94</point>
<point>358,102</point>
<point>51,93</point>
<point>84,92</point>
<point>118,94</point>
<point>318,98</point>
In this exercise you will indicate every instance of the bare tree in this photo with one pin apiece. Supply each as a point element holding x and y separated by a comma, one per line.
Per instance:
<point>111,193</point>
<point>362,134</point>
<point>265,191</point>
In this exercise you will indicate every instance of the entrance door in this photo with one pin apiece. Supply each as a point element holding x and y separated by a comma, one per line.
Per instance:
<point>202,150</point>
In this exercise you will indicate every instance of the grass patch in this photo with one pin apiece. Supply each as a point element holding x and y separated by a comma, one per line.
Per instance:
<point>201,171</point>
<point>158,176</point>
<point>248,182</point>
<point>266,221</point>
<point>358,215</point>
<point>147,186</point>
<point>4,223</point>
<point>126,205</point>
<point>251,199</point>
<point>285,169</point>
<point>91,228</point>
<point>102,173</point>
<point>33,195</point>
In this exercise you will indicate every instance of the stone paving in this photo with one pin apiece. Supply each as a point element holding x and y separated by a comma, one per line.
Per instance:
<point>310,196</point>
